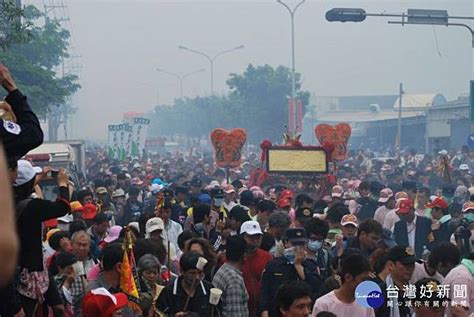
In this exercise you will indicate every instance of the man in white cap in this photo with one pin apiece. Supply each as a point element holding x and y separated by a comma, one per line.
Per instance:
<point>387,199</point>
<point>255,262</point>
<point>154,231</point>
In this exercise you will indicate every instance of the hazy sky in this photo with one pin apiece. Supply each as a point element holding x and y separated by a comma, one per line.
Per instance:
<point>122,42</point>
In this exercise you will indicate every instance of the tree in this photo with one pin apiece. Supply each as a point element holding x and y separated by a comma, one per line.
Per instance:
<point>261,95</point>
<point>12,29</point>
<point>258,102</point>
<point>34,64</point>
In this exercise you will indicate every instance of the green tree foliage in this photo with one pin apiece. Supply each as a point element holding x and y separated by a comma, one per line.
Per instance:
<point>12,29</point>
<point>35,64</point>
<point>257,102</point>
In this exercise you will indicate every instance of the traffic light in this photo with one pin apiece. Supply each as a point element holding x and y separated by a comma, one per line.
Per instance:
<point>345,15</point>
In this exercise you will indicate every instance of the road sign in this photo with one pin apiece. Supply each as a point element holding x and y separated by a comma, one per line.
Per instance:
<point>421,16</point>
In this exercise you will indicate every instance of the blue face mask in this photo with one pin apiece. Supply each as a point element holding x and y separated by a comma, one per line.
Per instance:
<point>469,217</point>
<point>289,254</point>
<point>314,245</point>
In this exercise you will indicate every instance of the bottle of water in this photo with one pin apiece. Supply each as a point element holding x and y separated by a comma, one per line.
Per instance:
<point>426,253</point>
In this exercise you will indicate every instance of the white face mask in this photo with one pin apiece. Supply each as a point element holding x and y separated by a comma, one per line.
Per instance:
<point>218,201</point>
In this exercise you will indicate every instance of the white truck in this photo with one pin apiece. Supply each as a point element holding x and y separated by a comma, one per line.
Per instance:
<point>69,155</point>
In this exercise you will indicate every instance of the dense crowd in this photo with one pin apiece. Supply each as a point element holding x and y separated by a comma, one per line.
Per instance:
<point>387,237</point>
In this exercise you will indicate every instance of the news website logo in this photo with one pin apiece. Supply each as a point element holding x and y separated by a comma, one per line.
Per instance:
<point>368,294</point>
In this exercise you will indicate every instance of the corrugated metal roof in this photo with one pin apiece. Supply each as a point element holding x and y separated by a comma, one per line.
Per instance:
<point>420,100</point>
<point>366,116</point>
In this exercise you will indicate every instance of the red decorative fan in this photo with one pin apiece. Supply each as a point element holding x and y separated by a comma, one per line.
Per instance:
<point>335,136</point>
<point>228,146</point>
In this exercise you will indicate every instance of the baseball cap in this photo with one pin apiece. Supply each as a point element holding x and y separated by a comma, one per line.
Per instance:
<point>204,199</point>
<point>463,167</point>
<point>287,194</point>
<point>438,202</point>
<point>250,228</point>
<point>404,205</point>
<point>196,182</point>
<point>349,219</point>
<point>303,213</point>
<point>68,218</point>
<point>214,183</point>
<point>118,193</point>
<point>385,195</point>
<point>443,152</point>
<point>113,234</point>
<point>154,224</point>
<point>26,172</point>
<point>51,232</point>
<point>229,189</point>
<point>101,190</point>
<point>76,206</point>
<point>337,191</point>
<point>283,202</point>
<point>402,254</point>
<point>468,206</point>
<point>89,212</point>
<point>217,192</point>
<point>297,236</point>
<point>100,302</point>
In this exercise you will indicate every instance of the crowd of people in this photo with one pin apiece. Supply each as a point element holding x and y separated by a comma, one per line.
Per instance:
<point>387,238</point>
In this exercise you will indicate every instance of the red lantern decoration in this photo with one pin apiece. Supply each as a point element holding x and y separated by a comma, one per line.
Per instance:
<point>335,137</point>
<point>228,146</point>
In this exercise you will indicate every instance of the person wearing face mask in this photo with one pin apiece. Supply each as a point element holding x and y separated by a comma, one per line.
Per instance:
<point>292,266</point>
<point>255,261</point>
<point>217,195</point>
<point>317,231</point>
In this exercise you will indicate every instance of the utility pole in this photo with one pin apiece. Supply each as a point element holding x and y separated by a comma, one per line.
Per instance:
<point>293,71</point>
<point>399,130</point>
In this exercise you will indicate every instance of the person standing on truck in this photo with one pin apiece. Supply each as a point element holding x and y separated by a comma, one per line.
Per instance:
<point>23,132</point>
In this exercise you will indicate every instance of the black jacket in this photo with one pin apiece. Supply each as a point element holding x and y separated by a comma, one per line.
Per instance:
<point>29,226</point>
<point>279,271</point>
<point>422,233</point>
<point>173,298</point>
<point>24,135</point>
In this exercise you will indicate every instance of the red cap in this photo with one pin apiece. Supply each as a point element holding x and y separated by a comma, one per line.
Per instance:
<point>99,302</point>
<point>286,194</point>
<point>283,202</point>
<point>404,206</point>
<point>438,202</point>
<point>90,211</point>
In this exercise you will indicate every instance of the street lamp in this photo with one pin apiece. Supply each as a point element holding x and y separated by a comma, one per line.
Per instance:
<point>180,77</point>
<point>293,79</point>
<point>211,59</point>
<point>413,17</point>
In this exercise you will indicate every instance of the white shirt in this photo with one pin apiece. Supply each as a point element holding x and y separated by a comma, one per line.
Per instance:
<point>420,272</point>
<point>331,303</point>
<point>461,277</point>
<point>229,206</point>
<point>381,213</point>
<point>411,229</point>
<point>390,219</point>
<point>171,233</point>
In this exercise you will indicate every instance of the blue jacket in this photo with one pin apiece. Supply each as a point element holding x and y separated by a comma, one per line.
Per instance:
<point>422,232</point>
